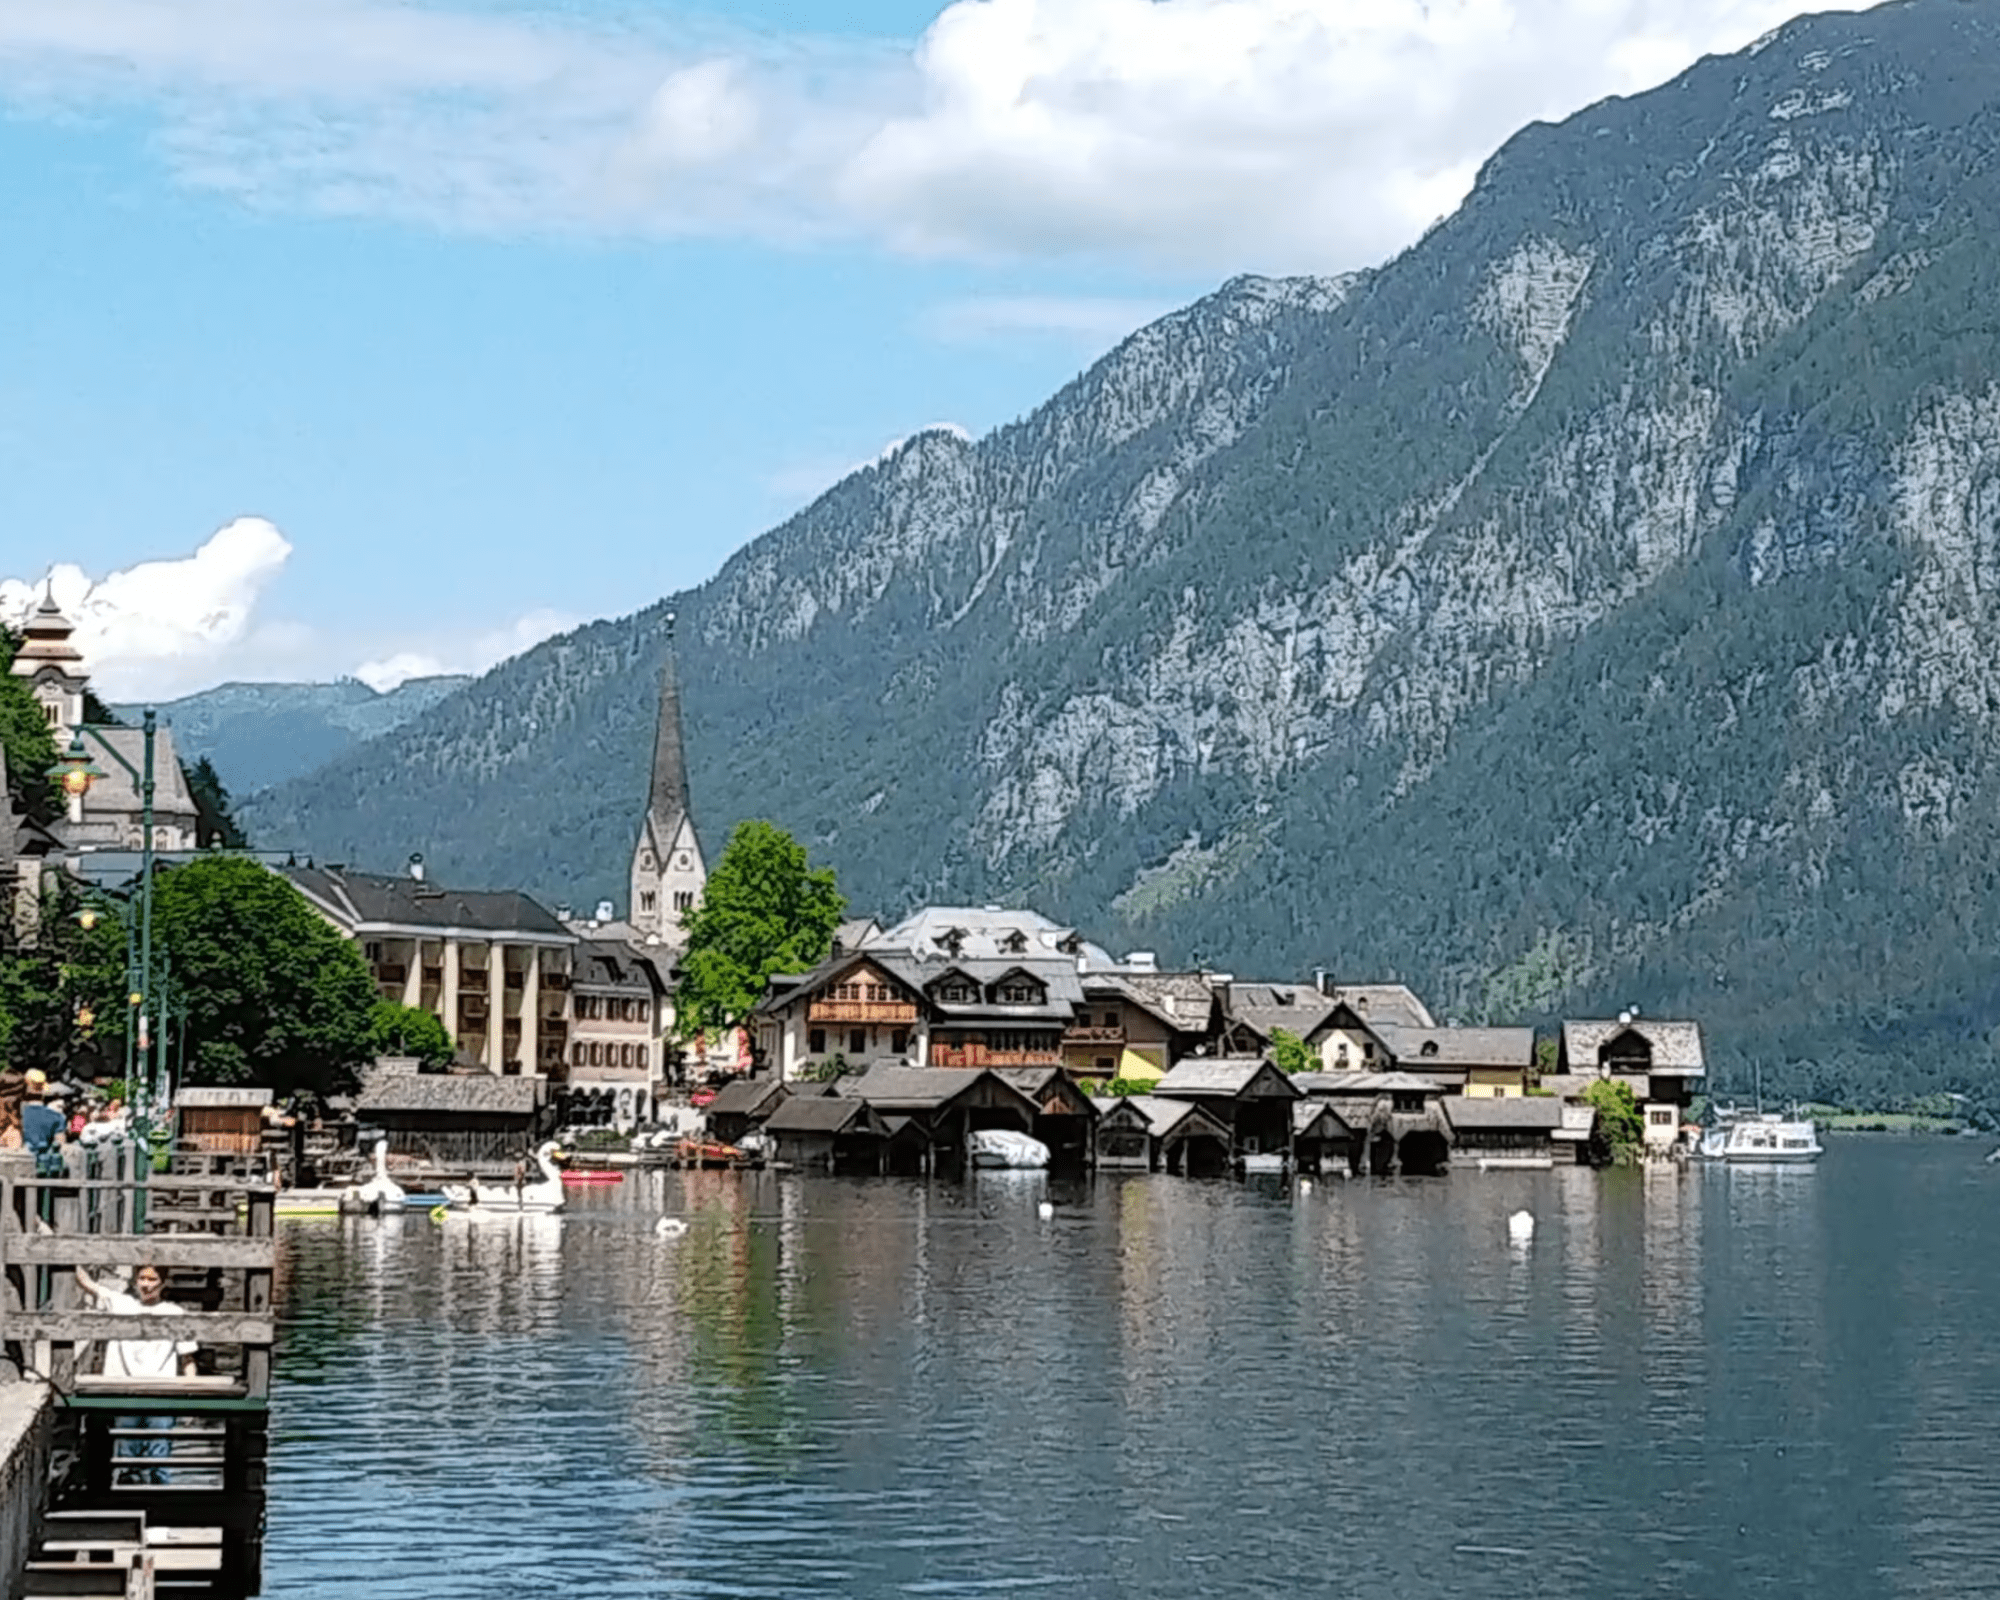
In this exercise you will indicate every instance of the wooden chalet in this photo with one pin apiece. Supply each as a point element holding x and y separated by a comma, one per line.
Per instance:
<point>1489,1131</point>
<point>1394,1115</point>
<point>855,1007</point>
<point>1662,1061</point>
<point>1248,1095</point>
<point>1000,1012</point>
<point>1144,1133</point>
<point>1065,1117</point>
<point>455,1119</point>
<point>220,1121</point>
<point>742,1105</point>
<point>1321,1139</point>
<point>830,1132</point>
<point>944,1106</point>
<point>1136,1025</point>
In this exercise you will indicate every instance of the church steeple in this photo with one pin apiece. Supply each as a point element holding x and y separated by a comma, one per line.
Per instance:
<point>667,869</point>
<point>53,667</point>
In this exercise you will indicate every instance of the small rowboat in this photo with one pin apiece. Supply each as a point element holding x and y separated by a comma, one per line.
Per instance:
<point>592,1175</point>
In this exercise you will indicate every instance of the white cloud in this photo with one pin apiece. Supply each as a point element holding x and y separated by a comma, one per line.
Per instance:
<point>161,622</point>
<point>162,629</point>
<point>1227,135</point>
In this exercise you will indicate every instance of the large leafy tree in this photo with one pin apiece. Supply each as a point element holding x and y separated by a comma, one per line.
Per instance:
<point>763,910</point>
<point>271,994</point>
<point>24,735</point>
<point>399,1030</point>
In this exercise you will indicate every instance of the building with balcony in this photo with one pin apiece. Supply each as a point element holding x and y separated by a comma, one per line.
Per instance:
<point>621,1013</point>
<point>494,966</point>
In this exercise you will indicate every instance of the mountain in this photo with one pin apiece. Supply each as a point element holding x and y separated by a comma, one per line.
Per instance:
<point>1598,604</point>
<point>258,734</point>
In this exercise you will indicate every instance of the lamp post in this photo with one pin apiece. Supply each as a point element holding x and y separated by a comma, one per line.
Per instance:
<point>75,772</point>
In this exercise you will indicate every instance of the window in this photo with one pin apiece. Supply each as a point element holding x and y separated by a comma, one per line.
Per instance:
<point>647,900</point>
<point>1661,1116</point>
<point>683,900</point>
<point>816,1042</point>
<point>857,1041</point>
<point>899,1042</point>
<point>1340,1055</point>
<point>1367,1052</point>
<point>1500,1091</point>
<point>597,1055</point>
<point>576,1054</point>
<point>1020,992</point>
<point>958,994</point>
<point>1111,1019</point>
<point>1108,1066</point>
<point>50,715</point>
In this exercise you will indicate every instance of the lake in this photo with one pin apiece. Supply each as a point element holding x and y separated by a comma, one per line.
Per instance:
<point>1691,1383</point>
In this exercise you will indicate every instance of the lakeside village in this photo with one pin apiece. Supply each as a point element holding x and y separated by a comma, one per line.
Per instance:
<point>894,1055</point>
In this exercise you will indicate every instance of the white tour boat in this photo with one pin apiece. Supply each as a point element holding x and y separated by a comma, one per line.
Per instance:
<point>1763,1141</point>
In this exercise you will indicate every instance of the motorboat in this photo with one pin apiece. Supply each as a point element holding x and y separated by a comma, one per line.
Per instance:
<point>1002,1147</point>
<point>1267,1161</point>
<point>1764,1140</point>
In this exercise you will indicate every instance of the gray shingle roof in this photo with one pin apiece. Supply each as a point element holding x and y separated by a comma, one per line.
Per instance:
<point>746,1097</point>
<point>1529,1113</point>
<point>1337,1084</point>
<point>472,1093</point>
<point>1389,1004</point>
<point>1423,1048</point>
<point>1183,1000</point>
<point>1676,1045</point>
<point>821,1114</point>
<point>614,965</point>
<point>240,1098</point>
<point>919,1089</point>
<point>1221,1078</point>
<point>1318,1119</point>
<point>1166,1116</point>
<point>1296,1007</point>
<point>373,899</point>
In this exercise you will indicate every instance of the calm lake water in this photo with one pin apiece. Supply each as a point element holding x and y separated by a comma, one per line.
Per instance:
<point>1695,1384</point>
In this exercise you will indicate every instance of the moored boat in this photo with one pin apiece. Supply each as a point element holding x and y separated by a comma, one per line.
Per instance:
<point>1763,1140</point>
<point>1002,1147</point>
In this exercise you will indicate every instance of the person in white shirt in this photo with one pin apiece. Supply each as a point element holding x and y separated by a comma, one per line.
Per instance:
<point>142,1359</point>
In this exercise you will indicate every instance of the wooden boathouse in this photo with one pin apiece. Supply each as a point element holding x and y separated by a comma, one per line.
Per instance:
<point>158,1483</point>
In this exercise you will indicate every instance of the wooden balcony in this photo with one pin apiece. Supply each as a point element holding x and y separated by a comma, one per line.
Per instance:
<point>1094,1036</point>
<point>977,1055</point>
<point>897,1013</point>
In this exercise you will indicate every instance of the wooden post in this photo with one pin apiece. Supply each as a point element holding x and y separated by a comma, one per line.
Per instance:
<point>258,1223</point>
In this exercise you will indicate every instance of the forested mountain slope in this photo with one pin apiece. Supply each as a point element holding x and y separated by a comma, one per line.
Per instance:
<point>1595,605</point>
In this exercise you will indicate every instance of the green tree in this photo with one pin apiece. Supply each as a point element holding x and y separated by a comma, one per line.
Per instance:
<point>62,998</point>
<point>400,1030</point>
<point>1618,1116</point>
<point>763,910</point>
<point>215,822</point>
<point>273,995</point>
<point>24,735</point>
<point>1292,1053</point>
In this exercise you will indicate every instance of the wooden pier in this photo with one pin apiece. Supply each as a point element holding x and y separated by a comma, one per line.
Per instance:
<point>157,1486</point>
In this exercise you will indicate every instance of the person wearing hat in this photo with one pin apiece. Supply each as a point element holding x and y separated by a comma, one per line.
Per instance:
<point>41,1123</point>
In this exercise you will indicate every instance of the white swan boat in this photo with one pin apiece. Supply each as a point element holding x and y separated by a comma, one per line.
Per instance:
<point>381,1195</point>
<point>1002,1147</point>
<point>538,1197</point>
<point>1763,1141</point>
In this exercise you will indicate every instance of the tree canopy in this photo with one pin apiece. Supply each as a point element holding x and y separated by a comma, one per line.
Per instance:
<point>272,995</point>
<point>399,1030</point>
<point>24,735</point>
<point>763,910</point>
<point>215,821</point>
<point>1618,1114</point>
<point>63,998</point>
<point>1291,1053</point>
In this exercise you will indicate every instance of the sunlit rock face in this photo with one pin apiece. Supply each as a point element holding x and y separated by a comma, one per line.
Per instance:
<point>1594,605</point>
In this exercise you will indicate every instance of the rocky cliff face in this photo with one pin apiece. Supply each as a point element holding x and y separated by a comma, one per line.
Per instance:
<point>1592,605</point>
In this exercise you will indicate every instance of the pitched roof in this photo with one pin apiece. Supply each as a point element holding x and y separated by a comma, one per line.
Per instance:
<point>1296,1007</point>
<point>1365,1083</point>
<point>1166,1116</point>
<point>928,934</point>
<point>1182,1000</point>
<point>469,1093</point>
<point>1222,1077</point>
<point>239,1098</point>
<point>822,1114</point>
<point>1391,1004</point>
<point>374,899</point>
<point>117,791</point>
<point>1528,1112</point>
<point>1309,1112</point>
<point>1676,1045</point>
<point>614,964</point>
<point>1423,1048</point>
<point>889,1088</point>
<point>746,1097</point>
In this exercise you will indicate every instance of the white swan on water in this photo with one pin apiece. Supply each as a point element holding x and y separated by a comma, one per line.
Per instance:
<point>670,1227</point>
<point>381,1194</point>
<point>1521,1227</point>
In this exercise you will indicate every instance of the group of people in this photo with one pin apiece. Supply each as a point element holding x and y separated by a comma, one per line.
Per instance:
<point>34,1116</point>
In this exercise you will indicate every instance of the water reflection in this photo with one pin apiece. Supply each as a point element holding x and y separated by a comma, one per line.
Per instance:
<point>1692,1380</point>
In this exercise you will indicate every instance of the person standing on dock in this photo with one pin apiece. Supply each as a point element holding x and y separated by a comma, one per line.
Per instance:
<point>142,1360</point>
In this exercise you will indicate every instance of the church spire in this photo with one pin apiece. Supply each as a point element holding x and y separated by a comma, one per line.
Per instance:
<point>667,869</point>
<point>667,800</point>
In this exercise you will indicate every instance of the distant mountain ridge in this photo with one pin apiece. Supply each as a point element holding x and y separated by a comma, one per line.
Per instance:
<point>1598,604</point>
<point>258,734</point>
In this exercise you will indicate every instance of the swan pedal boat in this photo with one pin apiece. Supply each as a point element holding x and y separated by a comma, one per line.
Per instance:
<point>539,1197</point>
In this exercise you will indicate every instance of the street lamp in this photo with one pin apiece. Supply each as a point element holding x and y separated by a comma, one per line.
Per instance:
<point>75,772</point>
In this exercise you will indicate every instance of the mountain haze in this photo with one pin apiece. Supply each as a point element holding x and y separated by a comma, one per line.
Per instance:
<point>1594,605</point>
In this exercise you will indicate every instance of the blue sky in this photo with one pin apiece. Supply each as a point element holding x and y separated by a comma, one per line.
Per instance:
<point>506,317</point>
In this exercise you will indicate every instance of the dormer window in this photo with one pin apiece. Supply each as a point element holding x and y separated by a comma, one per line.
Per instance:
<point>1016,943</point>
<point>1018,992</point>
<point>957,992</point>
<point>1430,1047</point>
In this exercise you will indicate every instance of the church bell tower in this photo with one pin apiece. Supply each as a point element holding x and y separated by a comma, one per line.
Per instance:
<point>667,869</point>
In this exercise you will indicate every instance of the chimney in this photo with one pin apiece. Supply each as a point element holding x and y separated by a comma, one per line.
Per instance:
<point>605,911</point>
<point>417,865</point>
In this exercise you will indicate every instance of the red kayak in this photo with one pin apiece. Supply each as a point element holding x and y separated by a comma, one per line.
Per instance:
<point>594,1175</point>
